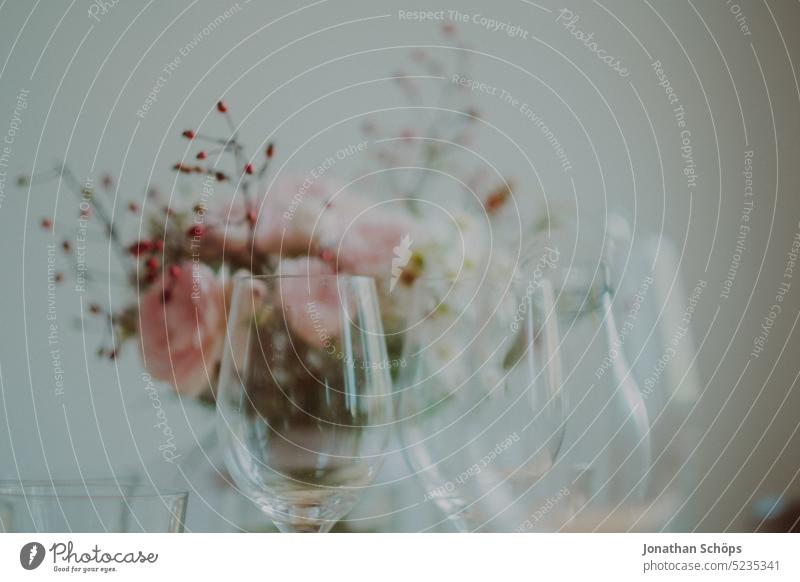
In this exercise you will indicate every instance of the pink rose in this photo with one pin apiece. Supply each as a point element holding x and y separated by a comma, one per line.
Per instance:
<point>311,305</point>
<point>286,221</point>
<point>370,241</point>
<point>290,219</point>
<point>182,318</point>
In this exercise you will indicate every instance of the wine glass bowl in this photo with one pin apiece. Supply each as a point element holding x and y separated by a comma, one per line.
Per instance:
<point>304,398</point>
<point>480,408</point>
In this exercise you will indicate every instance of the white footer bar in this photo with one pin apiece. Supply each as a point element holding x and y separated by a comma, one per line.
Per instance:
<point>408,557</point>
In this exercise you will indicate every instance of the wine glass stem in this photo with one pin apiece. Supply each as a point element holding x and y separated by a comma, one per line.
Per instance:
<point>306,526</point>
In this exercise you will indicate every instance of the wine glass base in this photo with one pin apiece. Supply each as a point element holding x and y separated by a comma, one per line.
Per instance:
<point>317,516</point>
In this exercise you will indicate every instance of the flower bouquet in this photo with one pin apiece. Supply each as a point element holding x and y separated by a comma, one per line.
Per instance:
<point>177,269</point>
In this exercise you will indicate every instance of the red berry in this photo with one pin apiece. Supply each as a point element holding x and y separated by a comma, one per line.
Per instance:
<point>197,231</point>
<point>270,150</point>
<point>327,255</point>
<point>249,169</point>
<point>140,247</point>
<point>175,270</point>
<point>167,296</point>
<point>189,134</point>
<point>220,176</point>
<point>47,223</point>
<point>201,155</point>
<point>152,264</point>
<point>498,198</point>
<point>221,107</point>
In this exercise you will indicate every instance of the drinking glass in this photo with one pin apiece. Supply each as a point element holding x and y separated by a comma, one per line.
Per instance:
<point>90,506</point>
<point>481,412</point>
<point>304,397</point>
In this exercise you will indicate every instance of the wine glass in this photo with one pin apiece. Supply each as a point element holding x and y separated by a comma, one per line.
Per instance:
<point>481,413</point>
<point>649,319</point>
<point>90,506</point>
<point>304,397</point>
<point>609,426</point>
